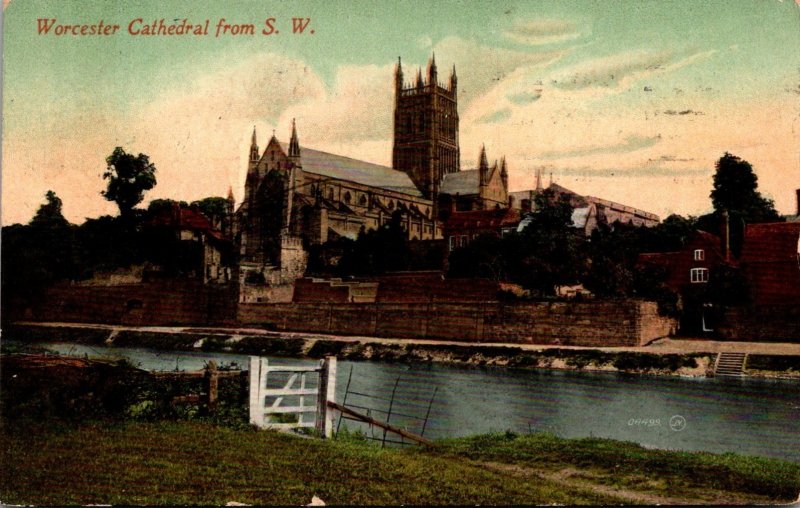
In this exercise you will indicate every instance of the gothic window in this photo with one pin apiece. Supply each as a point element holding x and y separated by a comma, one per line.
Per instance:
<point>347,197</point>
<point>330,194</point>
<point>390,206</point>
<point>362,200</point>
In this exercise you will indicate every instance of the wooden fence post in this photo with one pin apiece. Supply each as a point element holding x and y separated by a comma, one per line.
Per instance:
<point>256,400</point>
<point>327,392</point>
<point>212,385</point>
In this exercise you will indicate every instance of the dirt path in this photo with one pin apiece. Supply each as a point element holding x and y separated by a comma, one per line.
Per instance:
<point>574,479</point>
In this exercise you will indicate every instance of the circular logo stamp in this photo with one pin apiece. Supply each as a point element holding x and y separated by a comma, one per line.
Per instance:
<point>677,423</point>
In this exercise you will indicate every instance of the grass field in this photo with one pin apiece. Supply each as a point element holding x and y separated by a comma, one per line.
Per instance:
<point>202,463</point>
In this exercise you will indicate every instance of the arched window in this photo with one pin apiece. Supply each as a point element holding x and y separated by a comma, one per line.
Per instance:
<point>362,200</point>
<point>347,197</point>
<point>330,193</point>
<point>390,206</point>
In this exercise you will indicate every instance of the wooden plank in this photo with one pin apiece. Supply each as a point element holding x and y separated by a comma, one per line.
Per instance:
<point>330,394</point>
<point>256,400</point>
<point>288,426</point>
<point>287,386</point>
<point>290,409</point>
<point>289,368</point>
<point>289,391</point>
<point>373,421</point>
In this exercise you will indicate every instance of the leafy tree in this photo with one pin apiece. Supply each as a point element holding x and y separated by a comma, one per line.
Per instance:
<point>377,251</point>
<point>548,253</point>
<point>736,192</point>
<point>215,208</point>
<point>49,214</point>
<point>128,178</point>
<point>38,254</point>
<point>157,206</point>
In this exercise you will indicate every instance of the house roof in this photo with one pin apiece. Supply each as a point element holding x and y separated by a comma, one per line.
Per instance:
<point>483,218</point>
<point>770,261</point>
<point>771,242</point>
<point>461,182</point>
<point>353,170</point>
<point>186,219</point>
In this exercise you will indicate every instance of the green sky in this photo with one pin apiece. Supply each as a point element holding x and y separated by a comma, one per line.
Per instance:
<point>632,101</point>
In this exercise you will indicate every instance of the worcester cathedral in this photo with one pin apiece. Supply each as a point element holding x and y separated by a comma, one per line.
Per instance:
<point>296,196</point>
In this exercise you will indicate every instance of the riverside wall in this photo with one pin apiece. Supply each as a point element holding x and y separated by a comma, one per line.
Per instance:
<point>612,323</point>
<point>593,323</point>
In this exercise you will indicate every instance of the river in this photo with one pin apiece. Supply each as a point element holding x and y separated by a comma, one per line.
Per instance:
<point>745,416</point>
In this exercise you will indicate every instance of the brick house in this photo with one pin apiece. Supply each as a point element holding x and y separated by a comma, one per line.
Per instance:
<point>460,228</point>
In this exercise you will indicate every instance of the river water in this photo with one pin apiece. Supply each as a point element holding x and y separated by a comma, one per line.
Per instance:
<point>746,416</point>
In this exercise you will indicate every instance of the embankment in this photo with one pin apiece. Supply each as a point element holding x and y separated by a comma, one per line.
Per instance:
<point>295,345</point>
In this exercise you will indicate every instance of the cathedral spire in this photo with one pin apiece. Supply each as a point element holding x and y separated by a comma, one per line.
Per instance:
<point>254,146</point>
<point>419,78</point>
<point>294,144</point>
<point>483,167</point>
<point>433,77</point>
<point>504,172</point>
<point>453,79</point>
<point>398,75</point>
<point>538,179</point>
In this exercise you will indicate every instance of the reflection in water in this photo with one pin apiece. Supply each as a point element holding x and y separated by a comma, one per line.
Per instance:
<point>750,416</point>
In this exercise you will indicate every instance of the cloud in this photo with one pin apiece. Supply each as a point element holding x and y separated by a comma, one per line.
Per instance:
<point>542,31</point>
<point>644,171</point>
<point>672,112</point>
<point>525,97</point>
<point>630,144</point>
<point>481,68</point>
<point>496,117</point>
<point>617,71</point>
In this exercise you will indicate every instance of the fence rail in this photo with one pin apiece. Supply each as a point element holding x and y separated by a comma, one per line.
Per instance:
<point>263,412</point>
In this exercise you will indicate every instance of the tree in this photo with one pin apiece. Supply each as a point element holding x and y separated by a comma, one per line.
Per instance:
<point>377,251</point>
<point>49,214</point>
<point>735,192</point>
<point>128,179</point>
<point>546,254</point>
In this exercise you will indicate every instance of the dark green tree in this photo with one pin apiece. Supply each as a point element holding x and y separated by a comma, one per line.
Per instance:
<point>36,255</point>
<point>128,178</point>
<point>377,251</point>
<point>736,192</point>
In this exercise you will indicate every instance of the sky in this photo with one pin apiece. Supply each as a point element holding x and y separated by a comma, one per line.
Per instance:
<point>631,101</point>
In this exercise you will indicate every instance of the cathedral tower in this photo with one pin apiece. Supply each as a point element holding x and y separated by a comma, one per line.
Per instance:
<point>426,128</point>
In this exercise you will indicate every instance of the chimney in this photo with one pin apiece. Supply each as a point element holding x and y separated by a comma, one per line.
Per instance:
<point>798,202</point>
<point>726,236</point>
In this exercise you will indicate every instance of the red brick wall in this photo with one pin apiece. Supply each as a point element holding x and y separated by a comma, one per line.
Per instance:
<point>619,323</point>
<point>158,303</point>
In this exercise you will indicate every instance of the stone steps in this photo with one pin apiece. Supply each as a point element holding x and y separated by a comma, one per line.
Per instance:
<point>730,364</point>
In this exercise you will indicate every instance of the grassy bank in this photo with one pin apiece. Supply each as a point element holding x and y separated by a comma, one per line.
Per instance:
<point>199,463</point>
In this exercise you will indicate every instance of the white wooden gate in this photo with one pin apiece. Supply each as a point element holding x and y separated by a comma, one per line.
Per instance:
<point>266,402</point>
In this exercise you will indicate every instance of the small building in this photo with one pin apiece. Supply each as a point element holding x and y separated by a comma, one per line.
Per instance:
<point>588,211</point>
<point>770,261</point>
<point>184,243</point>
<point>692,265</point>
<point>460,228</point>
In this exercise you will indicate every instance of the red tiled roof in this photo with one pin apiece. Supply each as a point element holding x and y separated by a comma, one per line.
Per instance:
<point>774,241</point>
<point>186,218</point>
<point>770,262</point>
